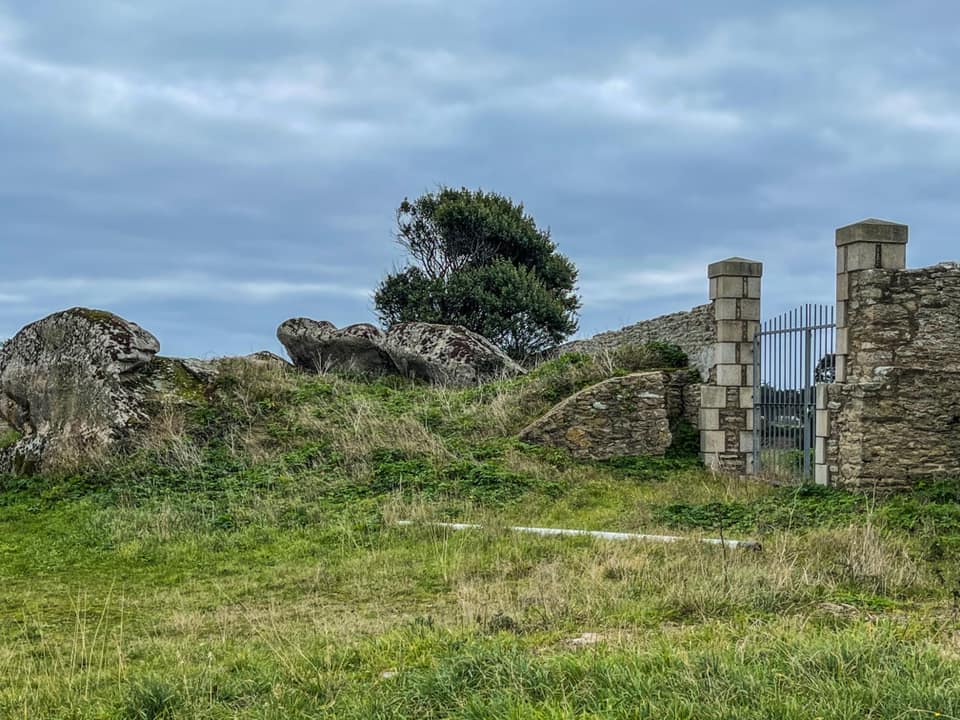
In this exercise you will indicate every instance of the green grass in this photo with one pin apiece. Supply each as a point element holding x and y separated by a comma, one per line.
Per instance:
<point>8,437</point>
<point>245,561</point>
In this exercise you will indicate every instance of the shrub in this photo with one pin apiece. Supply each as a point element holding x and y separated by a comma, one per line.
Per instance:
<point>649,356</point>
<point>479,260</point>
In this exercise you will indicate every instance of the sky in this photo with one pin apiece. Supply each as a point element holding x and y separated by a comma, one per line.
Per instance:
<point>210,168</point>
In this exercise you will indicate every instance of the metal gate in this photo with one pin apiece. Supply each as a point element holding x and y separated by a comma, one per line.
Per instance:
<point>791,354</point>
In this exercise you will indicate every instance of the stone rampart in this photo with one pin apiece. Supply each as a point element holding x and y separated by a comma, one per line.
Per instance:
<point>694,331</point>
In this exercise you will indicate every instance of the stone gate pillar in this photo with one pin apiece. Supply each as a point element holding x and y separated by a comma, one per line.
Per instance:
<point>726,401</point>
<point>862,246</point>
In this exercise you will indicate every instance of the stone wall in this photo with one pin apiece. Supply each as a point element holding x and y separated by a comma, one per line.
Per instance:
<point>694,330</point>
<point>718,340</point>
<point>903,319</point>
<point>896,418</point>
<point>629,415</point>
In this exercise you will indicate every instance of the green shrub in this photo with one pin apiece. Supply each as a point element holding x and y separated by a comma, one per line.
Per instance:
<point>706,516</point>
<point>644,467</point>
<point>686,440</point>
<point>560,378</point>
<point>932,506</point>
<point>477,481</point>
<point>649,356</point>
<point>479,260</point>
<point>789,508</point>
<point>397,470</point>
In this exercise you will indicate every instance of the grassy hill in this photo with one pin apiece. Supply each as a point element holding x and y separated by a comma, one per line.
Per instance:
<point>245,560</point>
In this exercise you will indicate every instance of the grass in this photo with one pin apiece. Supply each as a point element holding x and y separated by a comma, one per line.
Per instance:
<point>8,437</point>
<point>244,560</point>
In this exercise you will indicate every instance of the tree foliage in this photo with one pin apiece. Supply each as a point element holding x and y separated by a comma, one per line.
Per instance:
<point>477,259</point>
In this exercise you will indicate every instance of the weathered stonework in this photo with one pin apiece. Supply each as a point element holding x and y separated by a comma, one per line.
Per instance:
<point>694,331</point>
<point>865,245</point>
<point>629,415</point>
<point>907,319</point>
<point>726,407</point>
<point>896,419</point>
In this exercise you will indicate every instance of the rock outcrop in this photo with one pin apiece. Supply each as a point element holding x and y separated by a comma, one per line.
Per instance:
<point>446,354</point>
<point>629,415</point>
<point>318,346</point>
<point>441,354</point>
<point>70,384</point>
<point>80,382</point>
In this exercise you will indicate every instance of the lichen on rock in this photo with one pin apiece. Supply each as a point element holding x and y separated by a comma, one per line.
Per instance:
<point>440,354</point>
<point>68,384</point>
<point>80,382</point>
<point>446,354</point>
<point>319,346</point>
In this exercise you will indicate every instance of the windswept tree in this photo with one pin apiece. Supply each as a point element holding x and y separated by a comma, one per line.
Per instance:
<point>477,259</point>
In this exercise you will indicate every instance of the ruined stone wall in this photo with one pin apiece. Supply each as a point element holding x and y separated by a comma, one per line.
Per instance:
<point>718,340</point>
<point>629,415</point>
<point>896,419</point>
<point>695,331</point>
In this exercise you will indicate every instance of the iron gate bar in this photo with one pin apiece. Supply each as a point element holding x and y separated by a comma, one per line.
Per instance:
<point>793,330</point>
<point>791,353</point>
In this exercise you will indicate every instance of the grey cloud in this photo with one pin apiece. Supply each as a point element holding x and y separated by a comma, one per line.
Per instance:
<point>175,139</point>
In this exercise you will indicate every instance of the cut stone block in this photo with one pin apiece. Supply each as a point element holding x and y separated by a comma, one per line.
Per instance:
<point>736,266</point>
<point>709,419</point>
<point>750,309</point>
<point>713,441</point>
<point>872,230</point>
<point>731,331</point>
<point>731,287</point>
<point>712,396</point>
<point>822,475</point>
<point>725,353</point>
<point>730,375</point>
<point>726,309</point>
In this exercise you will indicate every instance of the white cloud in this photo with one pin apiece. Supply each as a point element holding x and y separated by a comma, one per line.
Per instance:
<point>603,288</point>
<point>624,99</point>
<point>183,286</point>
<point>920,111</point>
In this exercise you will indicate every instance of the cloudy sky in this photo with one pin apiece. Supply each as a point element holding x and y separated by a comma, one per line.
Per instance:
<point>209,168</point>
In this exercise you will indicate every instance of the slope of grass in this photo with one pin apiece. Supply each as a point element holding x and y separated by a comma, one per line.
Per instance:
<point>244,560</point>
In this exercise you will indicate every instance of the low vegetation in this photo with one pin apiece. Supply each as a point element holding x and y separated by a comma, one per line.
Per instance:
<point>245,560</point>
